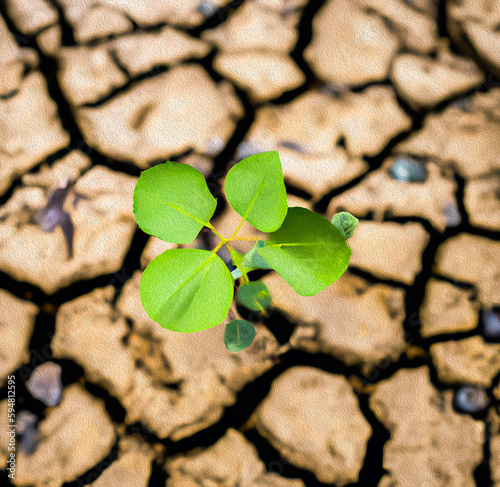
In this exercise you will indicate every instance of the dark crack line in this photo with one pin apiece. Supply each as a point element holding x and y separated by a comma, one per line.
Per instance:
<point>304,30</point>
<point>155,71</point>
<point>296,191</point>
<point>275,462</point>
<point>17,182</point>
<point>48,66</point>
<point>116,59</point>
<point>216,19</point>
<point>372,279</point>
<point>247,400</point>
<point>91,475</point>
<point>482,473</point>
<point>372,470</point>
<point>68,38</point>
<point>128,86</point>
<point>158,476</point>
<point>131,263</point>
<point>374,163</point>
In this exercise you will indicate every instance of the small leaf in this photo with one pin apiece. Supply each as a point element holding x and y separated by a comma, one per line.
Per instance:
<point>172,201</point>
<point>237,257</point>
<point>346,223</point>
<point>252,258</point>
<point>255,188</point>
<point>187,290</point>
<point>254,296</point>
<point>248,262</point>
<point>239,334</point>
<point>307,251</point>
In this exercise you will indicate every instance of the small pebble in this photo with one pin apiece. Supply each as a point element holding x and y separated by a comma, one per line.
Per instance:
<point>206,8</point>
<point>491,322</point>
<point>25,420</point>
<point>27,431</point>
<point>452,215</point>
<point>471,399</point>
<point>45,384</point>
<point>406,169</point>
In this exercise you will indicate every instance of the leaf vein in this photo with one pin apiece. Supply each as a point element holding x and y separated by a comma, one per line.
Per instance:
<point>198,269</point>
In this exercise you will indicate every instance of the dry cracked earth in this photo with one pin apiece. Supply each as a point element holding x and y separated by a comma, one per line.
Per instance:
<point>388,109</point>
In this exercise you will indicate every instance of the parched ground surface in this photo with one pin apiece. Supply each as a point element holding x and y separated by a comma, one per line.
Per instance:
<point>388,109</point>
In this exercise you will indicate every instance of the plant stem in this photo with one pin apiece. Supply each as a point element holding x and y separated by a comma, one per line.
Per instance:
<point>262,310</point>
<point>245,239</point>
<point>239,226</point>
<point>209,225</point>
<point>221,243</point>
<point>224,241</point>
<point>244,276</point>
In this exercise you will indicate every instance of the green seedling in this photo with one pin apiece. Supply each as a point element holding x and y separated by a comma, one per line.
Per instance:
<point>189,290</point>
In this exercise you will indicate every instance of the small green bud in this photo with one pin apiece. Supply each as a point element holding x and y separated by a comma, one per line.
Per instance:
<point>346,223</point>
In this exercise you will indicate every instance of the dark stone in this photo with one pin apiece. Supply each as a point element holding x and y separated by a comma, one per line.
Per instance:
<point>491,322</point>
<point>471,399</point>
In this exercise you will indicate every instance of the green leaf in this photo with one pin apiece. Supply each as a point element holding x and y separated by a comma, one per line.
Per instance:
<point>237,257</point>
<point>252,258</point>
<point>187,290</point>
<point>172,202</point>
<point>307,251</point>
<point>239,335</point>
<point>346,223</point>
<point>255,188</point>
<point>248,262</point>
<point>254,296</point>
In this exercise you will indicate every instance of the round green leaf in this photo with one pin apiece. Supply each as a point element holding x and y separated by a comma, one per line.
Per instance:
<point>254,296</point>
<point>172,201</point>
<point>255,189</point>
<point>307,251</point>
<point>239,335</point>
<point>187,290</point>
